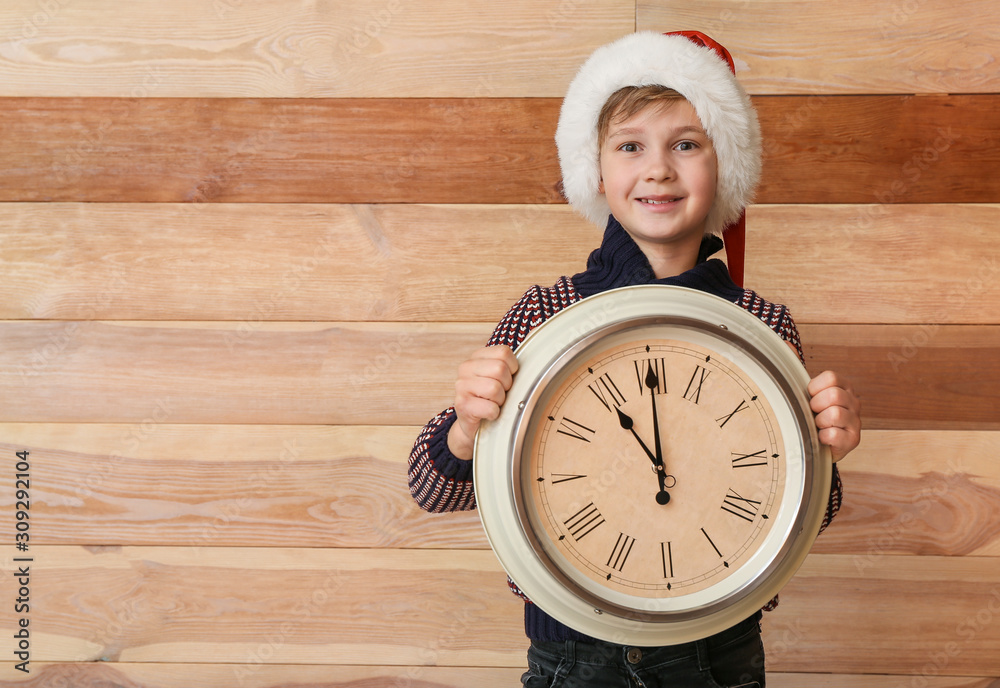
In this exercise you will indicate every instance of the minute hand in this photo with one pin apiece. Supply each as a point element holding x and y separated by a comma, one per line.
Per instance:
<point>653,382</point>
<point>662,497</point>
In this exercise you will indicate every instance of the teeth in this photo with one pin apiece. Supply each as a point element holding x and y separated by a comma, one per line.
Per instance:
<point>646,200</point>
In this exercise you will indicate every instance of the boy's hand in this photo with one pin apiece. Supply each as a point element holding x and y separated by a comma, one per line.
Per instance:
<point>480,389</point>
<point>838,413</point>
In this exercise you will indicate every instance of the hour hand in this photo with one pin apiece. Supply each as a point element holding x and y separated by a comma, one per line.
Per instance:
<point>626,423</point>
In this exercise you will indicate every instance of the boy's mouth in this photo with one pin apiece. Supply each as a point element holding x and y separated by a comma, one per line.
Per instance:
<point>659,201</point>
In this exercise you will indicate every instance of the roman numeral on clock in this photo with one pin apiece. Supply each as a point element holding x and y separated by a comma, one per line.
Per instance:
<point>740,506</point>
<point>667,554</point>
<point>711,542</point>
<point>623,547</point>
<point>607,392</point>
<point>571,428</point>
<point>564,477</point>
<point>642,374</point>
<point>584,521</point>
<point>725,419</point>
<point>758,458</point>
<point>698,377</point>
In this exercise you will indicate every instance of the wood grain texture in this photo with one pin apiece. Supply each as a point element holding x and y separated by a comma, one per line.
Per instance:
<point>838,616</point>
<point>284,49</point>
<point>320,486</point>
<point>931,46</point>
<point>273,150</point>
<point>290,606</point>
<point>909,377</point>
<point>918,493</point>
<point>144,675</point>
<point>822,149</point>
<point>253,373</point>
<point>914,377</point>
<point>272,262</point>
<point>139,604</point>
<point>228,485</point>
<point>905,264</point>
<point>276,262</point>
<point>232,48</point>
<point>879,149</point>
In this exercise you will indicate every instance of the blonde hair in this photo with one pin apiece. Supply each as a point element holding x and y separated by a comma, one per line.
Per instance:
<point>629,101</point>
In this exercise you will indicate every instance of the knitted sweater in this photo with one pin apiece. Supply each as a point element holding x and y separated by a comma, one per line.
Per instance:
<point>439,481</point>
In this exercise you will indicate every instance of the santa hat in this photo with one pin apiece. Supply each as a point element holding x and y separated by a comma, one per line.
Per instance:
<point>702,71</point>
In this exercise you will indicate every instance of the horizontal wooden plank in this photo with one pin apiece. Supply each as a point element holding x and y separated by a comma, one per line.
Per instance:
<point>144,675</point>
<point>298,606</point>
<point>909,377</point>
<point>840,617</point>
<point>255,675</point>
<point>914,377</point>
<point>931,46</point>
<point>930,149</point>
<point>253,373</point>
<point>269,262</point>
<point>322,486</point>
<point>918,493</point>
<point>899,269</point>
<point>236,150</point>
<point>401,607</point>
<point>227,485</point>
<point>232,48</point>
<point>879,149</point>
<point>256,262</point>
<point>285,49</point>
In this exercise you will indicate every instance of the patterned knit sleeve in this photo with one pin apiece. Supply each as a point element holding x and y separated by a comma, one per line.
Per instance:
<point>790,333</point>
<point>779,319</point>
<point>439,480</point>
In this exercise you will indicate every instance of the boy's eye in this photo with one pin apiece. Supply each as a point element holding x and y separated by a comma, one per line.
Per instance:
<point>628,148</point>
<point>686,145</point>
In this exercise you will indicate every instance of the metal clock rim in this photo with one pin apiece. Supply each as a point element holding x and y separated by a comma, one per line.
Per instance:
<point>522,560</point>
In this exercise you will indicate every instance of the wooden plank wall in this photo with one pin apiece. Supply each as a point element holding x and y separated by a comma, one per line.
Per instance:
<point>244,244</point>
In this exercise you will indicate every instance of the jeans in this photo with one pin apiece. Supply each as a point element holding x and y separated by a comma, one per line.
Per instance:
<point>733,658</point>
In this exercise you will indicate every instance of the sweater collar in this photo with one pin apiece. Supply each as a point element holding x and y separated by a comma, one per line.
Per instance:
<point>619,262</point>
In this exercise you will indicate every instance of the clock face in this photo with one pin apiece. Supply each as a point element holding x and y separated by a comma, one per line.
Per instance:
<point>654,467</point>
<point>654,476</point>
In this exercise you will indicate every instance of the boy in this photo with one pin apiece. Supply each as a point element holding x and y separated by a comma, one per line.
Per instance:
<point>659,143</point>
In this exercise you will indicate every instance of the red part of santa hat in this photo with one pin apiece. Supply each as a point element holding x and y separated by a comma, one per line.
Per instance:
<point>702,71</point>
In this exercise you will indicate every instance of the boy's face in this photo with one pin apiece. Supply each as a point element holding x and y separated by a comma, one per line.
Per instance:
<point>658,173</point>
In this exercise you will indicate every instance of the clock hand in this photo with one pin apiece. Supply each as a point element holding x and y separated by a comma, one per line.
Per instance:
<point>626,423</point>
<point>662,497</point>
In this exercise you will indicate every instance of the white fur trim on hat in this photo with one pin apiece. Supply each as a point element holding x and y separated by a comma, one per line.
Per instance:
<point>694,71</point>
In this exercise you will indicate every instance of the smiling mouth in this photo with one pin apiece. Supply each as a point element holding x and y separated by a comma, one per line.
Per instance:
<point>650,201</point>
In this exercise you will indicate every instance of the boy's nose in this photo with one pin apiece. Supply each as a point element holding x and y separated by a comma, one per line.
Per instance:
<point>660,167</point>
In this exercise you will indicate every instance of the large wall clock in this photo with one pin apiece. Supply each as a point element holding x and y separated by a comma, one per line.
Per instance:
<point>654,476</point>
